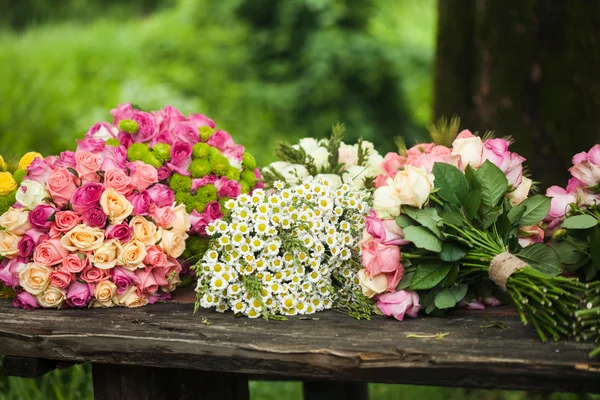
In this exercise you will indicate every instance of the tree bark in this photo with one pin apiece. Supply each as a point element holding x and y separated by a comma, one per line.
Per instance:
<point>525,68</point>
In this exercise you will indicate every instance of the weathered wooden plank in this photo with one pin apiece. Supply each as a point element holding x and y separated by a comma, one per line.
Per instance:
<point>334,347</point>
<point>25,367</point>
<point>126,382</point>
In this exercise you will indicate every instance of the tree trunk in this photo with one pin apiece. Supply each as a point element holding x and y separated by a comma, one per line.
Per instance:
<point>525,68</point>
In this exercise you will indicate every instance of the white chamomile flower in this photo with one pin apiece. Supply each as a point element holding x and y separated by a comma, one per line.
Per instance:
<point>230,204</point>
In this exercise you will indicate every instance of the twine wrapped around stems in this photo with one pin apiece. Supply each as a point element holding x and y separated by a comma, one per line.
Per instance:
<point>503,266</point>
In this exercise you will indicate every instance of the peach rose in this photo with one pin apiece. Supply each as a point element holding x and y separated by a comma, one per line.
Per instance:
<point>61,186</point>
<point>60,278</point>
<point>74,263</point>
<point>144,230</point>
<point>130,298</point>
<point>164,216</point>
<point>8,244</point>
<point>50,253</point>
<point>143,175</point>
<point>106,256</point>
<point>132,255</point>
<point>172,243</point>
<point>117,179</point>
<point>16,221</point>
<point>52,297</point>
<point>64,221</point>
<point>87,164</point>
<point>34,278</point>
<point>116,206</point>
<point>104,293</point>
<point>83,238</point>
<point>155,257</point>
<point>413,186</point>
<point>372,286</point>
<point>182,221</point>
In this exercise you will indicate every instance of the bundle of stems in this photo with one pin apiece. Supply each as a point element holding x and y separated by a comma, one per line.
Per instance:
<point>587,319</point>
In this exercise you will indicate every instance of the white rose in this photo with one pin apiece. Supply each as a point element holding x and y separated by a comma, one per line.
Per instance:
<point>386,202</point>
<point>374,165</point>
<point>107,255</point>
<point>34,278</point>
<point>469,147</point>
<point>521,192</point>
<point>31,194</point>
<point>371,287</point>
<point>348,155</point>
<point>309,145</point>
<point>332,180</point>
<point>15,221</point>
<point>355,176</point>
<point>105,134</point>
<point>320,157</point>
<point>413,186</point>
<point>52,297</point>
<point>293,174</point>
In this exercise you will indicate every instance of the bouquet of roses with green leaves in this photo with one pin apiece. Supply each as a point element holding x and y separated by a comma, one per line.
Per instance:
<point>463,213</point>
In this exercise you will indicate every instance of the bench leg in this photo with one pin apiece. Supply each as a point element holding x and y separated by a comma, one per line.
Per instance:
<point>327,390</point>
<point>125,382</point>
<point>24,367</point>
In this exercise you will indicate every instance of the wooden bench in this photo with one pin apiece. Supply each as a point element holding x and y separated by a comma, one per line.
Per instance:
<point>164,351</point>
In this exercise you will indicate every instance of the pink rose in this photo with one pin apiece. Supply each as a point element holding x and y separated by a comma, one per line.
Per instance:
<point>385,232</point>
<point>37,236</point>
<point>181,158</point>
<point>123,111</point>
<point>207,180</point>
<point>161,195</point>
<point>164,173</point>
<point>67,159</point>
<point>560,201</point>
<point>142,175</point>
<point>60,278</point>
<point>147,284</point>
<point>121,232</point>
<point>199,120</point>
<point>125,139</point>
<point>530,235</point>
<point>436,154</point>
<point>94,146</point>
<point>224,142</point>
<point>117,179</point>
<point>10,269</point>
<point>87,166</point>
<point>92,274</point>
<point>496,151</point>
<point>158,297</point>
<point>26,246</point>
<point>26,301</point>
<point>167,118</point>
<point>141,202</point>
<point>391,164</point>
<point>40,215</point>
<point>49,253</point>
<point>123,279</point>
<point>164,216</point>
<point>378,258</point>
<point>64,221</point>
<point>421,148</point>
<point>79,294</point>
<point>213,210</point>
<point>228,188</point>
<point>87,196</point>
<point>114,158</point>
<point>155,257</point>
<point>399,304</point>
<point>186,132</point>
<point>102,130</point>
<point>38,170</point>
<point>73,264</point>
<point>94,217</point>
<point>586,166</point>
<point>61,185</point>
<point>147,128</point>
<point>199,223</point>
<point>472,305</point>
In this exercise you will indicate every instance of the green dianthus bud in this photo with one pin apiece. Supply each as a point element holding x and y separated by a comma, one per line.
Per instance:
<point>246,187</point>
<point>200,150</point>
<point>6,202</point>
<point>207,193</point>
<point>219,163</point>
<point>195,247</point>
<point>162,151</point>
<point>559,234</point>
<point>113,142</point>
<point>180,183</point>
<point>206,132</point>
<point>233,174</point>
<point>19,175</point>
<point>128,126</point>
<point>200,168</point>
<point>137,151</point>
<point>248,177</point>
<point>248,161</point>
<point>186,199</point>
<point>151,159</point>
<point>199,206</point>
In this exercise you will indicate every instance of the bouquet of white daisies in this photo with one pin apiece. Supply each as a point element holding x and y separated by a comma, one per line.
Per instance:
<point>291,252</point>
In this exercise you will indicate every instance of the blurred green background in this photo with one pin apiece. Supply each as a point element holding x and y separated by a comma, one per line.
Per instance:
<point>265,70</point>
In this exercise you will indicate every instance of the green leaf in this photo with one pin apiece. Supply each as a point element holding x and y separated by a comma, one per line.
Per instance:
<point>405,282</point>
<point>460,292</point>
<point>542,258</point>
<point>473,204</point>
<point>595,246</point>
<point>427,276</point>
<point>580,222</point>
<point>452,252</point>
<point>451,182</point>
<point>404,221</point>
<point>568,253</point>
<point>515,213</point>
<point>491,216</point>
<point>445,299</point>
<point>450,279</point>
<point>472,178</point>
<point>493,184</point>
<point>537,207</point>
<point>428,217</point>
<point>423,238</point>
<point>453,218</point>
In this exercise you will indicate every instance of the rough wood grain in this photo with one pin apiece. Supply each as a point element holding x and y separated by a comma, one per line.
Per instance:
<point>334,347</point>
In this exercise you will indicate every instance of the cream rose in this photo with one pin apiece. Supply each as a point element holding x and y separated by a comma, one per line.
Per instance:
<point>172,243</point>
<point>132,255</point>
<point>15,221</point>
<point>107,255</point>
<point>469,147</point>
<point>348,155</point>
<point>374,163</point>
<point>320,157</point>
<point>182,222</point>
<point>518,195</point>
<point>52,297</point>
<point>31,194</point>
<point>293,174</point>
<point>371,287</point>
<point>355,176</point>
<point>116,206</point>
<point>83,238</point>
<point>104,293</point>
<point>386,202</point>
<point>130,298</point>
<point>144,230</point>
<point>34,278</point>
<point>332,180</point>
<point>8,244</point>
<point>413,186</point>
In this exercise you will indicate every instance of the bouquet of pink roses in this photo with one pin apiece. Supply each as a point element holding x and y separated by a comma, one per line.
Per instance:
<point>203,166</point>
<point>90,229</point>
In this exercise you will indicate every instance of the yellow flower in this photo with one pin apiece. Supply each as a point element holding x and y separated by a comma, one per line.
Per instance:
<point>3,165</point>
<point>28,158</point>
<point>7,183</point>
